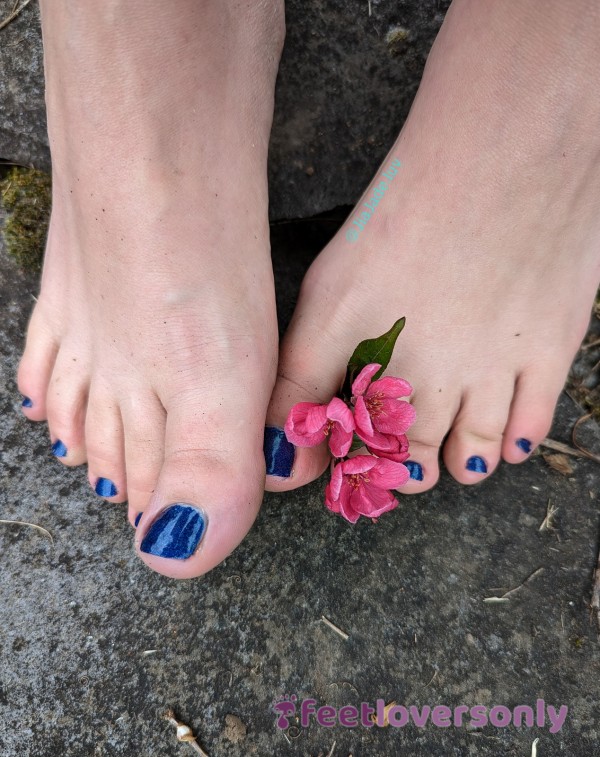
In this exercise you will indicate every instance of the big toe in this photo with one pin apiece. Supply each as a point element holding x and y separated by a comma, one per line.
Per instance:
<point>208,493</point>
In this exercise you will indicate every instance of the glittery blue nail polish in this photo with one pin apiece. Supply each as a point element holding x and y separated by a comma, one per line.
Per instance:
<point>176,532</point>
<point>476,464</point>
<point>59,449</point>
<point>26,402</point>
<point>137,520</point>
<point>415,469</point>
<point>105,488</point>
<point>279,453</point>
<point>524,445</point>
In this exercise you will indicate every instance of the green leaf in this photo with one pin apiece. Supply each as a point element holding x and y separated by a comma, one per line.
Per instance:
<point>377,350</point>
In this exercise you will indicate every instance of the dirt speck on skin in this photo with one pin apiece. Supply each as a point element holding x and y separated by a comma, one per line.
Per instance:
<point>235,730</point>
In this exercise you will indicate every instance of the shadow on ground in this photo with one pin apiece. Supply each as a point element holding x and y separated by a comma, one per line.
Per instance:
<point>95,647</point>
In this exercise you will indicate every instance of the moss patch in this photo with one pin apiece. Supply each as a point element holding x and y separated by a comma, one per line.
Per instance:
<point>26,197</point>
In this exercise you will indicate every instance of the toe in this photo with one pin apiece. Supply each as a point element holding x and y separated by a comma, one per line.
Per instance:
<point>472,449</point>
<point>104,446</point>
<point>306,374</point>
<point>289,466</point>
<point>144,421</point>
<point>530,415</point>
<point>434,417</point>
<point>66,407</point>
<point>35,368</point>
<point>209,489</point>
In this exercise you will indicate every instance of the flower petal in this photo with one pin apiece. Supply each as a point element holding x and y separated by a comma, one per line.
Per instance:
<point>340,441</point>
<point>358,464</point>
<point>338,411</point>
<point>302,439</point>
<point>295,425</point>
<point>331,503</point>
<point>337,478</point>
<point>362,381</point>
<point>387,474</point>
<point>362,419</point>
<point>346,508</point>
<point>379,501</point>
<point>391,387</point>
<point>316,417</point>
<point>396,417</point>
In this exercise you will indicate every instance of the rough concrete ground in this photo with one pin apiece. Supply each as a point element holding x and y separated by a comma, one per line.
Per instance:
<point>95,647</point>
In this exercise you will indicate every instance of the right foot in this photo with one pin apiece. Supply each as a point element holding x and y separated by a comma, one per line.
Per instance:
<point>152,349</point>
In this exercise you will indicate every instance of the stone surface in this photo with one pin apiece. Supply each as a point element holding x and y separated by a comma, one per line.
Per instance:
<point>95,647</point>
<point>345,85</point>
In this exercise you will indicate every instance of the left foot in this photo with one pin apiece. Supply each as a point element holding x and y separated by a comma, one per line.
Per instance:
<point>487,239</point>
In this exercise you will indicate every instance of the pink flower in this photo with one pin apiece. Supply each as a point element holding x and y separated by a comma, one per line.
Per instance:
<point>390,447</point>
<point>309,424</point>
<point>378,411</point>
<point>359,486</point>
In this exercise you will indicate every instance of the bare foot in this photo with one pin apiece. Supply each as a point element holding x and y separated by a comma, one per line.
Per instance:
<point>486,237</point>
<point>152,349</point>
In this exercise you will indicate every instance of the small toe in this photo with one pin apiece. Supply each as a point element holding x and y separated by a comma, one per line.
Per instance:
<point>35,369</point>
<point>472,449</point>
<point>530,416</point>
<point>66,408</point>
<point>302,377</point>
<point>434,416</point>
<point>104,446</point>
<point>144,421</point>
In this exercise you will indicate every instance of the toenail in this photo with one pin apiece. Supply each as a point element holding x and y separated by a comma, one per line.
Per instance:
<point>476,464</point>
<point>176,532</point>
<point>105,488</point>
<point>59,449</point>
<point>279,453</point>
<point>26,402</point>
<point>137,520</point>
<point>524,445</point>
<point>415,469</point>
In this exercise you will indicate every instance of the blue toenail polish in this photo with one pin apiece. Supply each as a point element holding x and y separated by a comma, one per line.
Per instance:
<point>137,520</point>
<point>415,469</point>
<point>26,402</point>
<point>476,464</point>
<point>105,488</point>
<point>524,445</point>
<point>59,449</point>
<point>176,532</point>
<point>279,453</point>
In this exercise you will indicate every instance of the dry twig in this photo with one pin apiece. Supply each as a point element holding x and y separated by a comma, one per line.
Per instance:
<point>335,628</point>
<point>15,12</point>
<point>29,525</point>
<point>506,596</point>
<point>547,523</point>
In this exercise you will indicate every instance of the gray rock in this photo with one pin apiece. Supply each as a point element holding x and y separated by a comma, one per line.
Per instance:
<point>345,85</point>
<point>95,647</point>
